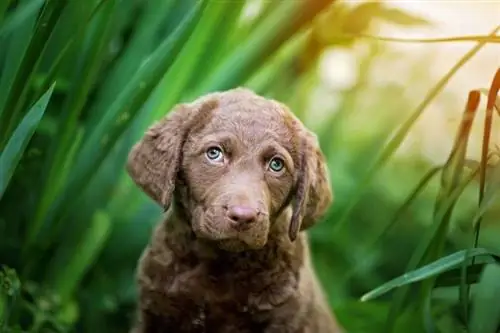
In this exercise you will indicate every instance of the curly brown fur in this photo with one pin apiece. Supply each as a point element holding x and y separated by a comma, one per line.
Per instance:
<point>240,178</point>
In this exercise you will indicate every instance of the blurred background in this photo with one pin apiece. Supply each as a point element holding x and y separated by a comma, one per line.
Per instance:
<point>413,169</point>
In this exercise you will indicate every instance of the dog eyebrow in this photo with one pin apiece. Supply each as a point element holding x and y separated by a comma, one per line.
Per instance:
<point>272,148</point>
<point>224,139</point>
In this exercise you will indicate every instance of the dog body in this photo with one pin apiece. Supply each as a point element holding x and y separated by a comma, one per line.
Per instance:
<point>241,177</point>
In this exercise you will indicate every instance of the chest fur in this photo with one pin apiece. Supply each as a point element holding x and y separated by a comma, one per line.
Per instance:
<point>208,295</point>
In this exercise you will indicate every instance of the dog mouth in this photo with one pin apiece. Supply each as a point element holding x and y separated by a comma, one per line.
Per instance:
<point>213,225</point>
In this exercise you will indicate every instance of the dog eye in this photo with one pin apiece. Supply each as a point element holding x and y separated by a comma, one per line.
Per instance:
<point>214,154</point>
<point>276,164</point>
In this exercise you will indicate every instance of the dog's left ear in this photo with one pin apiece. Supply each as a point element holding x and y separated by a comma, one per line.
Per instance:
<point>313,193</point>
<point>153,162</point>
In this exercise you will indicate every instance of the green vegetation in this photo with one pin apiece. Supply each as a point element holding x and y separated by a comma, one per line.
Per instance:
<point>407,246</point>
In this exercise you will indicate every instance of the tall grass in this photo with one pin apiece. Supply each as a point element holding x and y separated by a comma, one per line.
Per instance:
<point>81,80</point>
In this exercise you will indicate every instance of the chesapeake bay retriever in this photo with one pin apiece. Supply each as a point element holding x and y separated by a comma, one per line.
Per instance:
<point>241,177</point>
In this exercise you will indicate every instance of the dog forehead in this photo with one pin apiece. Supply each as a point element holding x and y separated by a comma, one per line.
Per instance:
<point>251,121</point>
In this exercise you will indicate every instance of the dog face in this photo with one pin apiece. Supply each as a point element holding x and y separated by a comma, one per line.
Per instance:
<point>234,161</point>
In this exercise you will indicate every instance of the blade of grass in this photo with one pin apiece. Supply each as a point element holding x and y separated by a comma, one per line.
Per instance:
<point>403,130</point>
<point>72,268</point>
<point>496,104</point>
<point>450,181</point>
<point>101,139</point>
<point>19,16</point>
<point>67,48</point>
<point>453,278</point>
<point>141,45</point>
<point>225,29</point>
<point>15,46</point>
<point>82,83</point>
<point>485,316</point>
<point>431,246</point>
<point>184,68</point>
<point>488,120</point>
<point>261,81</point>
<point>4,5</point>
<point>422,184</point>
<point>430,270</point>
<point>471,38</point>
<point>261,43</point>
<point>429,325</point>
<point>464,290</point>
<point>10,156</point>
<point>18,91</point>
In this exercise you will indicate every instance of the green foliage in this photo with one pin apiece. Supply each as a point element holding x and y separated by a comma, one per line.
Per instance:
<point>81,80</point>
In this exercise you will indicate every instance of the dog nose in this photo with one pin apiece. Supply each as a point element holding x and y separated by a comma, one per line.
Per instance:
<point>242,214</point>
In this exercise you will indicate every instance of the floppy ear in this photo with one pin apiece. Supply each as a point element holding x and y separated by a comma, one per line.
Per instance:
<point>313,193</point>
<point>153,163</point>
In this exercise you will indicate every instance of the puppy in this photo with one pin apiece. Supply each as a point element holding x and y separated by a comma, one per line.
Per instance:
<point>240,178</point>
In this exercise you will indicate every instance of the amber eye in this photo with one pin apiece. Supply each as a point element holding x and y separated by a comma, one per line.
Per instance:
<point>214,154</point>
<point>276,164</point>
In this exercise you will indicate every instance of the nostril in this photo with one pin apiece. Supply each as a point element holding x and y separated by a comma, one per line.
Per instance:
<point>242,214</point>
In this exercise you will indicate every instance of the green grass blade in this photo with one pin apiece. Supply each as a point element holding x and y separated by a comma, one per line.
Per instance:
<point>488,120</point>
<point>67,270</point>
<point>404,129</point>
<point>19,16</point>
<point>432,244</point>
<point>15,45</point>
<point>82,84</point>
<point>271,71</point>
<point>485,316</point>
<point>141,45</point>
<point>472,38</point>
<point>4,5</point>
<point>454,278</point>
<point>184,68</point>
<point>121,113</point>
<point>431,270</point>
<point>225,30</point>
<point>279,26</point>
<point>424,181</point>
<point>17,93</point>
<point>464,290</point>
<point>66,49</point>
<point>14,149</point>
<point>429,324</point>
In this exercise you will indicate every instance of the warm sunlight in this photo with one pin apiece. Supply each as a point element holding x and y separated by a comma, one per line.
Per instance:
<point>432,136</point>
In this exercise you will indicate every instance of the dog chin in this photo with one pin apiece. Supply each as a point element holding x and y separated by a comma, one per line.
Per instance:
<point>236,245</point>
<point>227,238</point>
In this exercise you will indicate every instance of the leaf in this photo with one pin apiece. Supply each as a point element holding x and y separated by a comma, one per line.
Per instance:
<point>453,39</point>
<point>10,156</point>
<point>453,277</point>
<point>22,12</point>
<point>275,29</point>
<point>485,313</point>
<point>69,267</point>
<point>120,114</point>
<point>433,269</point>
<point>192,55</point>
<point>488,120</point>
<point>16,98</point>
<point>403,131</point>
<point>432,244</point>
<point>497,103</point>
<point>400,17</point>
<point>83,79</point>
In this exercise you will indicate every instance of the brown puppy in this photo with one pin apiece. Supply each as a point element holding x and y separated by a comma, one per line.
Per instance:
<point>241,177</point>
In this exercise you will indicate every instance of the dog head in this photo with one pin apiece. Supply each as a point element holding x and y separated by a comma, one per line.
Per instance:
<point>234,162</point>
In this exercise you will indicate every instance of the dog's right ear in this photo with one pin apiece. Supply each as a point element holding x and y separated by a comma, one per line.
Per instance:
<point>153,163</point>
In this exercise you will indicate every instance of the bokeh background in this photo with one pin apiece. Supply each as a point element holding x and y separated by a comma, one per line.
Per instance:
<point>413,169</point>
